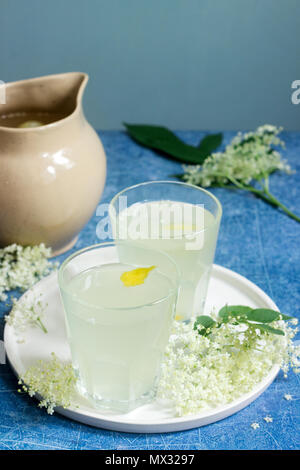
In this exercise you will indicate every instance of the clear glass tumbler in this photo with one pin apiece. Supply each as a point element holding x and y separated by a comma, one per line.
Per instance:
<point>118,333</point>
<point>179,219</point>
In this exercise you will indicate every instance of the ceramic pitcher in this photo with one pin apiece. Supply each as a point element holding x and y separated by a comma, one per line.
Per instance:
<point>51,176</point>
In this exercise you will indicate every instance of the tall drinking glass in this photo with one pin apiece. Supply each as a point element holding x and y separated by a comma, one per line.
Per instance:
<point>118,330</point>
<point>179,219</point>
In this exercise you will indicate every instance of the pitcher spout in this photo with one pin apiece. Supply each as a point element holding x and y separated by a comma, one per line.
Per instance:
<point>52,98</point>
<point>72,86</point>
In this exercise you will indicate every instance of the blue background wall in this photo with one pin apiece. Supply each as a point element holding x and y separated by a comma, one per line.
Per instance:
<point>198,64</point>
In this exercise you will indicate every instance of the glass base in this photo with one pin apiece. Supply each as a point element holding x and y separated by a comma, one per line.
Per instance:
<point>123,406</point>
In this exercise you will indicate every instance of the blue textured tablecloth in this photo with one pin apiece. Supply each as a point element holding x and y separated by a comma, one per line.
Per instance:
<point>255,240</point>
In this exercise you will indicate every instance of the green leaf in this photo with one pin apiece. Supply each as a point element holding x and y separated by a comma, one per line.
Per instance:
<point>285,317</point>
<point>233,311</point>
<point>263,315</point>
<point>210,142</point>
<point>206,322</point>
<point>253,317</point>
<point>164,140</point>
<point>268,329</point>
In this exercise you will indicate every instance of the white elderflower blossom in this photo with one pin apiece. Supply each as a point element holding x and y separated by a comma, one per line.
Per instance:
<point>202,372</point>
<point>21,267</point>
<point>255,425</point>
<point>53,381</point>
<point>24,313</point>
<point>248,158</point>
<point>268,419</point>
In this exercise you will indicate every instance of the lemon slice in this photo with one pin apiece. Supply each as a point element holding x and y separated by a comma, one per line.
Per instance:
<point>28,124</point>
<point>136,276</point>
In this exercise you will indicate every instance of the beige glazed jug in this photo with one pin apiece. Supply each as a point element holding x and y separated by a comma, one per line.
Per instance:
<point>52,174</point>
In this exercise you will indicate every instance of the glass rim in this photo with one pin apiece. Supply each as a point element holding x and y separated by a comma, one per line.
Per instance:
<point>62,283</point>
<point>217,217</point>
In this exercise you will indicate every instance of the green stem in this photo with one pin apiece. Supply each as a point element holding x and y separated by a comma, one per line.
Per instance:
<point>266,185</point>
<point>282,206</point>
<point>41,325</point>
<point>266,196</point>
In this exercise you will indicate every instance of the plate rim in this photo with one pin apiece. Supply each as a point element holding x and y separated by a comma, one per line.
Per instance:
<point>94,417</point>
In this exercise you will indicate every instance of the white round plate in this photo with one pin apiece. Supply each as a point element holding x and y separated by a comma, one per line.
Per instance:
<point>225,287</point>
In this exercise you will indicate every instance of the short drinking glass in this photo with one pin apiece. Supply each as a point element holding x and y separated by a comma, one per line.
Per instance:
<point>180,219</point>
<point>118,332</point>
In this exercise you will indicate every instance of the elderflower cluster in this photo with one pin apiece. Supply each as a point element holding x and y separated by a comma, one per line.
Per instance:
<point>249,156</point>
<point>21,267</point>
<point>203,372</point>
<point>25,313</point>
<point>52,380</point>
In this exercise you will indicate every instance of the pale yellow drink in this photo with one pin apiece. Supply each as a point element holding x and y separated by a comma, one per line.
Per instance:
<point>117,332</point>
<point>186,232</point>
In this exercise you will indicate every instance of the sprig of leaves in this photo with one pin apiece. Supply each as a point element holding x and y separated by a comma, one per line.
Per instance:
<point>257,318</point>
<point>162,139</point>
<point>246,164</point>
<point>203,372</point>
